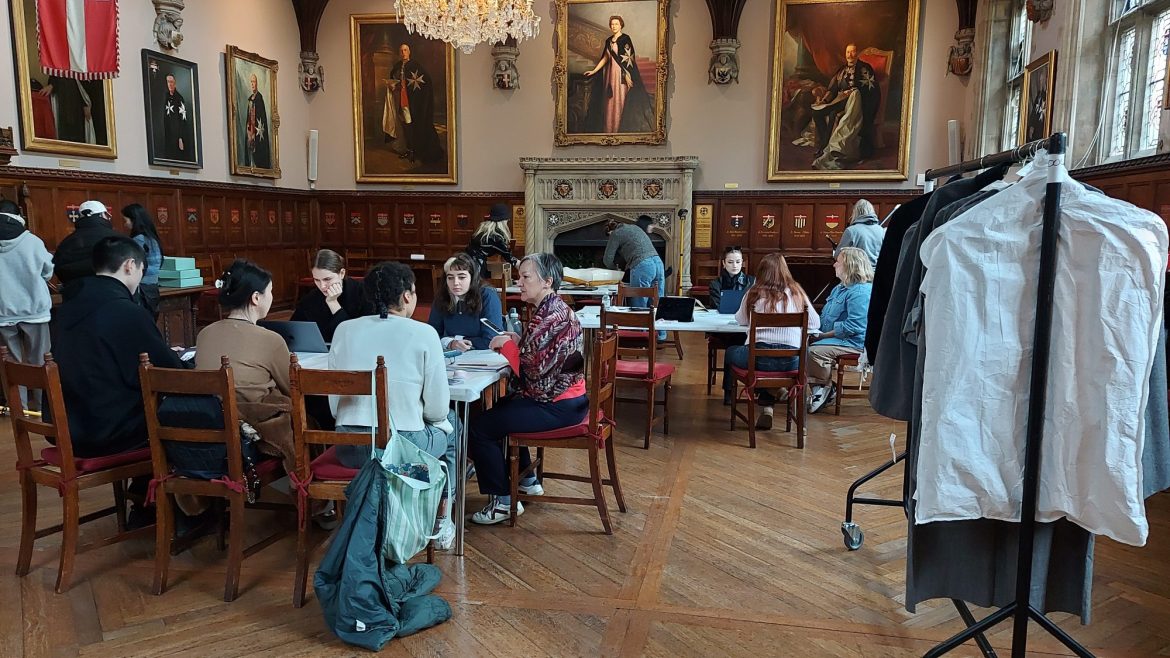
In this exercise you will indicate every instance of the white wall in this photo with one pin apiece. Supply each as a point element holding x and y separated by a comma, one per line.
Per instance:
<point>266,27</point>
<point>725,126</point>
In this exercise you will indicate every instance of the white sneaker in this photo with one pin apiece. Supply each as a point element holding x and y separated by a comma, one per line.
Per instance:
<point>820,396</point>
<point>446,539</point>
<point>532,489</point>
<point>495,512</point>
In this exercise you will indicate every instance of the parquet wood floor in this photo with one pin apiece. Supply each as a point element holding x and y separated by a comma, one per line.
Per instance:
<point>725,551</point>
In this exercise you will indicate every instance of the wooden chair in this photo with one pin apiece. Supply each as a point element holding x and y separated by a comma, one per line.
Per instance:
<point>60,469</point>
<point>647,373</point>
<point>233,487</point>
<point>593,433</point>
<point>625,293</point>
<point>304,282</point>
<point>325,478</point>
<point>843,361</point>
<point>795,381</point>
<point>500,277</point>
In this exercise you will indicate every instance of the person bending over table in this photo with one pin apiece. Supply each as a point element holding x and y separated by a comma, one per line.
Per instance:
<point>334,298</point>
<point>843,320</point>
<point>775,291</point>
<point>550,386</point>
<point>419,395</point>
<point>461,303</point>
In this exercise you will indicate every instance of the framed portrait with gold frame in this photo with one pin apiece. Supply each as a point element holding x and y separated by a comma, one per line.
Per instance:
<point>404,104</point>
<point>59,115</point>
<point>1036,98</point>
<point>253,114</point>
<point>610,72</point>
<point>842,89</point>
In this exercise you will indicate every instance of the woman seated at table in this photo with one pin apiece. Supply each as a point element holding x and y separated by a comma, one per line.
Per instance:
<point>259,357</point>
<point>335,297</point>
<point>550,390</point>
<point>775,291</point>
<point>461,303</point>
<point>731,275</point>
<point>420,397</point>
<point>843,321</point>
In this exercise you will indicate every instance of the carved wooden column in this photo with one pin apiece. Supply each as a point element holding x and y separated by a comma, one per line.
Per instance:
<point>309,14</point>
<point>724,67</point>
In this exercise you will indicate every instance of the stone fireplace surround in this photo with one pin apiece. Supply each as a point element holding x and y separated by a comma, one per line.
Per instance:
<point>562,194</point>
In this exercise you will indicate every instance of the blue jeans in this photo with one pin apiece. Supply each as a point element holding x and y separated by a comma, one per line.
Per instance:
<point>646,274</point>
<point>737,357</point>
<point>431,439</point>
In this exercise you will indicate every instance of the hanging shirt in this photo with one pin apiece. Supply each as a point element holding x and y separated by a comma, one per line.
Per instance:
<point>979,313</point>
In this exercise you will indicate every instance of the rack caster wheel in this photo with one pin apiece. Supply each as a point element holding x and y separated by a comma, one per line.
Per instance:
<point>853,536</point>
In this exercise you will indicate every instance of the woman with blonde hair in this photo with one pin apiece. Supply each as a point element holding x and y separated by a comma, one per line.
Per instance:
<point>843,321</point>
<point>775,291</point>
<point>864,232</point>
<point>492,238</point>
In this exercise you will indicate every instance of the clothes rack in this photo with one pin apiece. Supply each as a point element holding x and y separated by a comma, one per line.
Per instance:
<point>1021,611</point>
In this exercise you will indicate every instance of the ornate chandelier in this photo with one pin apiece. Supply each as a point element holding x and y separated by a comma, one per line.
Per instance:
<point>466,23</point>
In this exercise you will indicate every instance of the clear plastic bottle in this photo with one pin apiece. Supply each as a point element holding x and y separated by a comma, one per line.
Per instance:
<point>514,322</point>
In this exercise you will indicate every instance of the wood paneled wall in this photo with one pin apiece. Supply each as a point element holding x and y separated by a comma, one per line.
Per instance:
<point>1145,182</point>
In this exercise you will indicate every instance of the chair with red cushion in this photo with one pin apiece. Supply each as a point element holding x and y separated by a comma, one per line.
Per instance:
<point>624,294</point>
<point>593,433</point>
<point>60,469</point>
<point>325,478</point>
<point>233,487</point>
<point>794,381</point>
<point>648,372</point>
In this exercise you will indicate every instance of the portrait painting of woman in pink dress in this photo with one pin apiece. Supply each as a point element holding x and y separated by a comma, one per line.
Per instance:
<point>618,102</point>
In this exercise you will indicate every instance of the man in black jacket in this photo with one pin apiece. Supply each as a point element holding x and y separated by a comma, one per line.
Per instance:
<point>74,256</point>
<point>97,336</point>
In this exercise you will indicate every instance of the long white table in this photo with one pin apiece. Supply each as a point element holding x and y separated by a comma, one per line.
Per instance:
<point>574,290</point>
<point>705,321</point>
<point>463,393</point>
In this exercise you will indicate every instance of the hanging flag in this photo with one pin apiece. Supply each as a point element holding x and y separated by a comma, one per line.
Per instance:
<point>78,38</point>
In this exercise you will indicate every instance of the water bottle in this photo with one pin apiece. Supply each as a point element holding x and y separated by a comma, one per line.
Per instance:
<point>605,300</point>
<point>514,321</point>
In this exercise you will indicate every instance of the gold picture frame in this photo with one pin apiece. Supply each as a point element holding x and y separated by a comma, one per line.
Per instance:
<point>583,115</point>
<point>1036,96</point>
<point>253,142</point>
<point>394,140</point>
<point>45,101</point>
<point>826,122</point>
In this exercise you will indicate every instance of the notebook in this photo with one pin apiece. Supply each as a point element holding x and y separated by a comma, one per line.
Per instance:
<point>300,336</point>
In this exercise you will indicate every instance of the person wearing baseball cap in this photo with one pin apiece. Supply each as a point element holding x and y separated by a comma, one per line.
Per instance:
<point>492,238</point>
<point>73,259</point>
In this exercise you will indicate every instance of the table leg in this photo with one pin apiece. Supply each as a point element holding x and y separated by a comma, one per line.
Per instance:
<point>461,476</point>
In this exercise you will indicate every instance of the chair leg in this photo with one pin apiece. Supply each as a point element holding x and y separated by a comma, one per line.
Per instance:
<point>751,417</point>
<point>431,552</point>
<point>734,401</point>
<point>163,534</point>
<point>666,407</point>
<point>231,587</point>
<point>120,505</point>
<point>840,378</point>
<point>301,581</point>
<point>650,399</point>
<point>678,345</point>
<point>70,514</point>
<point>801,410</point>
<point>513,481</point>
<point>540,464</point>
<point>28,522</point>
<point>598,494</point>
<point>788,414</point>
<point>610,458</point>
<point>710,367</point>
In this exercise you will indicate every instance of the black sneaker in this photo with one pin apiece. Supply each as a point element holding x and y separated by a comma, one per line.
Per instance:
<point>140,517</point>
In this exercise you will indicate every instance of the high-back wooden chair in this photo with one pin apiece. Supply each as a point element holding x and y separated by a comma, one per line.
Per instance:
<point>324,477</point>
<point>500,277</point>
<point>208,309</point>
<point>752,378</point>
<point>624,294</point>
<point>638,363</point>
<point>233,487</point>
<point>593,433</point>
<point>60,469</point>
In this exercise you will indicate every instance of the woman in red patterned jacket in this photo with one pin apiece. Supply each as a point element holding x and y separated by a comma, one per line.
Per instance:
<point>550,392</point>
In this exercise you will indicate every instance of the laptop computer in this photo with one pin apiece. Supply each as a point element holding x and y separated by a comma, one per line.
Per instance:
<point>729,301</point>
<point>681,309</point>
<point>299,336</point>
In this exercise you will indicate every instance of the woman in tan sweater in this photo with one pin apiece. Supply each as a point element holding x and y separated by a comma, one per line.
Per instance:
<point>259,357</point>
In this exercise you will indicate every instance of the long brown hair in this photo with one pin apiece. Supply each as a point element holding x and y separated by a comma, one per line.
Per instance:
<point>775,285</point>
<point>473,299</point>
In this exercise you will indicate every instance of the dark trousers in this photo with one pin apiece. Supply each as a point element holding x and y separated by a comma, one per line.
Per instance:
<point>515,414</point>
<point>737,356</point>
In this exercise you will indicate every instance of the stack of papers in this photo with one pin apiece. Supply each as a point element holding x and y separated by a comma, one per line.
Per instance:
<point>481,360</point>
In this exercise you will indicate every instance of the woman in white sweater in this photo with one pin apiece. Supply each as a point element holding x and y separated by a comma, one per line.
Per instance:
<point>420,398</point>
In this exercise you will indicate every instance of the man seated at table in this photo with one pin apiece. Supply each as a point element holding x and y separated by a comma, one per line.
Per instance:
<point>420,397</point>
<point>97,336</point>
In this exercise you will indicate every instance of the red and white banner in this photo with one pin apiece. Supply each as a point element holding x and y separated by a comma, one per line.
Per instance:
<point>78,38</point>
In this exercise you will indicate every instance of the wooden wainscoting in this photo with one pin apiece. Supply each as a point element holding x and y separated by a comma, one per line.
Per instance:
<point>1144,182</point>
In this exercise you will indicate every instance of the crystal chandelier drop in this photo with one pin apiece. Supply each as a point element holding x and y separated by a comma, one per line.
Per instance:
<point>466,23</point>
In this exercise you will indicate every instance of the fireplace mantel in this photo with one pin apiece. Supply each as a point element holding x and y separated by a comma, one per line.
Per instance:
<point>561,194</point>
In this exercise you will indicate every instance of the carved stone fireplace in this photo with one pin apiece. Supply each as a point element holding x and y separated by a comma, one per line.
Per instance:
<point>565,194</point>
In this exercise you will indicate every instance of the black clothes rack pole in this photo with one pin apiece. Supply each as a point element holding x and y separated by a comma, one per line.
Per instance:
<point>1021,610</point>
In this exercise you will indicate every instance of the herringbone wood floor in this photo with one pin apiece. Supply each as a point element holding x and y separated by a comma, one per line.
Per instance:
<point>724,551</point>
